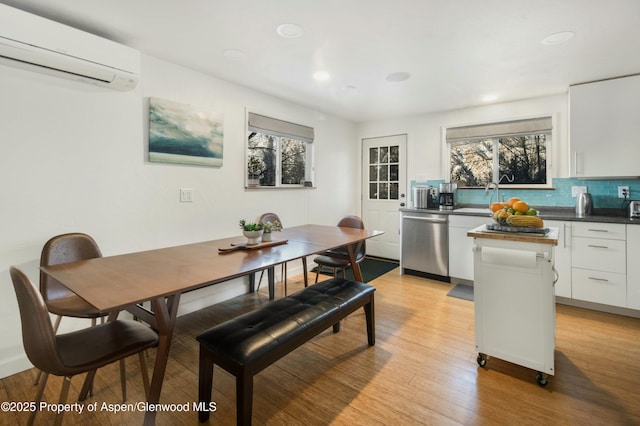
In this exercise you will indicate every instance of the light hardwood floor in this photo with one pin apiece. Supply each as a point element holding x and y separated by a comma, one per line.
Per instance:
<point>422,370</point>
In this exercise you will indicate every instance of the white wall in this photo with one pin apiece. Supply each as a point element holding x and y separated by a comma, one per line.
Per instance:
<point>425,146</point>
<point>74,159</point>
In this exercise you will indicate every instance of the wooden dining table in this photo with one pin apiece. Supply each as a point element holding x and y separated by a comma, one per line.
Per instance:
<point>160,276</point>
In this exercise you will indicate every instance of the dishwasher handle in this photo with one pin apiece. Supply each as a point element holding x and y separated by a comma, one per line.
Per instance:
<point>427,219</point>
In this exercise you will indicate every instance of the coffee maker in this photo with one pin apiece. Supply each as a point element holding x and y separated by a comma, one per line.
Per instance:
<point>447,197</point>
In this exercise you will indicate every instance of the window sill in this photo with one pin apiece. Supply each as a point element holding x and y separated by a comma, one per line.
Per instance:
<point>280,187</point>
<point>511,187</point>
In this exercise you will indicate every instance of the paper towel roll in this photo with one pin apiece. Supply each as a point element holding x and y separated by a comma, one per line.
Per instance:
<point>509,257</point>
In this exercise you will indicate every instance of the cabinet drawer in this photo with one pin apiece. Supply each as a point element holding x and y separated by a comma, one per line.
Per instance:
<point>469,222</point>
<point>599,254</point>
<point>612,231</point>
<point>599,287</point>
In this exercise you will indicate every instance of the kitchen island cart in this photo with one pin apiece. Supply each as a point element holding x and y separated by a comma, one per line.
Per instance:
<point>514,298</point>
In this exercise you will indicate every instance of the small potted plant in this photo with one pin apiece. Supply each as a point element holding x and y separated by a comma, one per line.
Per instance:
<point>255,169</point>
<point>252,230</point>
<point>268,228</point>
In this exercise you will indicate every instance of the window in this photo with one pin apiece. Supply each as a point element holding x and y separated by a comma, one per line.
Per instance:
<point>384,176</point>
<point>279,153</point>
<point>511,153</point>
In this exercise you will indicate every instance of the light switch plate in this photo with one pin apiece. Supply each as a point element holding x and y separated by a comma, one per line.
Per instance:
<point>575,190</point>
<point>186,195</point>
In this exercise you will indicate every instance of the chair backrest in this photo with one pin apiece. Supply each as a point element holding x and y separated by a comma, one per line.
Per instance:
<point>354,222</point>
<point>64,248</point>
<point>351,222</point>
<point>37,332</point>
<point>270,217</point>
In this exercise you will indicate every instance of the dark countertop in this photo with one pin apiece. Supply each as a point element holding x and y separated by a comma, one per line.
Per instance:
<point>545,213</point>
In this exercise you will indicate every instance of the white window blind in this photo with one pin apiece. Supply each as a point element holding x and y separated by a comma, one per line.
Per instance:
<point>500,130</point>
<point>272,126</point>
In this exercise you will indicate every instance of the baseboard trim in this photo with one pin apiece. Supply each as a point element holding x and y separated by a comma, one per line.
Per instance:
<point>599,307</point>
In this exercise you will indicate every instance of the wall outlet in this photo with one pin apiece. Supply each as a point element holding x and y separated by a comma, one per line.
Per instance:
<point>575,190</point>
<point>623,192</point>
<point>186,195</point>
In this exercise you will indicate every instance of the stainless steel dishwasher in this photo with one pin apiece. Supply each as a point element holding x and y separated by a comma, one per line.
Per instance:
<point>425,243</point>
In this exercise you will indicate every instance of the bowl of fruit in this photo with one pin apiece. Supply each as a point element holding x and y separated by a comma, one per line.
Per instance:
<point>516,213</point>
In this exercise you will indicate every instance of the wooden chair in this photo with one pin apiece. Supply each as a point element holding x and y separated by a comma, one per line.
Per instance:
<point>272,217</point>
<point>82,351</point>
<point>60,300</point>
<point>338,258</point>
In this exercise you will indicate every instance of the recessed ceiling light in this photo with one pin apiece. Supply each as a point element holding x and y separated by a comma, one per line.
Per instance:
<point>289,30</point>
<point>398,76</point>
<point>558,38</point>
<point>234,54</point>
<point>489,98</point>
<point>321,75</point>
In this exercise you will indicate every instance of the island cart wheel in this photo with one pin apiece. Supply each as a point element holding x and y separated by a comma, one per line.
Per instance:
<point>482,360</point>
<point>542,379</point>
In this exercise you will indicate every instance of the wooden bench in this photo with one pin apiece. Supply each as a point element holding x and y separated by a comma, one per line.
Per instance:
<point>249,343</point>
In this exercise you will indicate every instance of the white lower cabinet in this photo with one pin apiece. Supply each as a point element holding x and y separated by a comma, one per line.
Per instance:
<point>461,246</point>
<point>607,288</point>
<point>599,254</point>
<point>595,262</point>
<point>633,266</point>
<point>599,263</point>
<point>562,257</point>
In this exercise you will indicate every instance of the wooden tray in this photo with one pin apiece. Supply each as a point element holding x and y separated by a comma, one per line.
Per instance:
<point>518,229</point>
<point>245,246</point>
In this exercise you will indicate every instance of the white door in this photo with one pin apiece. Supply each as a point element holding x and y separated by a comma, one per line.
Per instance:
<point>384,192</point>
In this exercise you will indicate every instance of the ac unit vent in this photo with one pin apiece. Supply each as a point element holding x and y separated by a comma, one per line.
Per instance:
<point>41,45</point>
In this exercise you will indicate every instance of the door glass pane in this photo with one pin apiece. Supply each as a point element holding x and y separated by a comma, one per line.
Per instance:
<point>373,173</point>
<point>393,173</point>
<point>384,191</point>
<point>384,173</point>
<point>384,154</point>
<point>373,191</point>
<point>373,155</point>
<point>393,191</point>
<point>394,154</point>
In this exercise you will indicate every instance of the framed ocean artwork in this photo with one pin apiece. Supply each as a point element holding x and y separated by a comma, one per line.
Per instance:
<point>184,134</point>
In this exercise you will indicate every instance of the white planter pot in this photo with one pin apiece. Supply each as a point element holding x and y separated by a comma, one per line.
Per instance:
<point>266,236</point>
<point>253,237</point>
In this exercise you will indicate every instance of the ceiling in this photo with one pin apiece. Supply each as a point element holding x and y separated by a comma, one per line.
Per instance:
<point>455,51</point>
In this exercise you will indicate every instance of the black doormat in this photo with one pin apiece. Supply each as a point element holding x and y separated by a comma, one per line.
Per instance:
<point>370,267</point>
<point>461,291</point>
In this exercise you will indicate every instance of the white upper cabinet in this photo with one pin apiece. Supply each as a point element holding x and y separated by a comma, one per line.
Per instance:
<point>604,125</point>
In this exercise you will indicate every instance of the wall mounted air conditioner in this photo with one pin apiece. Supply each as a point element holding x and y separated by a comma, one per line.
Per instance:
<point>37,44</point>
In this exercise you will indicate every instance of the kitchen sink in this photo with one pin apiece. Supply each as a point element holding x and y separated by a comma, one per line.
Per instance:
<point>472,210</point>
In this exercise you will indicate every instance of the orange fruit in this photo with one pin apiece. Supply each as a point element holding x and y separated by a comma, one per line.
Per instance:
<point>520,206</point>
<point>512,201</point>
<point>496,206</point>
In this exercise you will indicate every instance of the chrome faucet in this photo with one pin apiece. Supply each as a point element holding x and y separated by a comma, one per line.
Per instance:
<point>496,189</point>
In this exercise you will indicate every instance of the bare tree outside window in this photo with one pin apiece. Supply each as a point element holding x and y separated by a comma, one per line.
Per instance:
<point>294,154</point>
<point>520,160</point>
<point>523,159</point>
<point>472,163</point>
<point>285,159</point>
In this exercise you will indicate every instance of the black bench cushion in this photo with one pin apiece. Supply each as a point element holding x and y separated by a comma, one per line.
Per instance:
<point>251,335</point>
